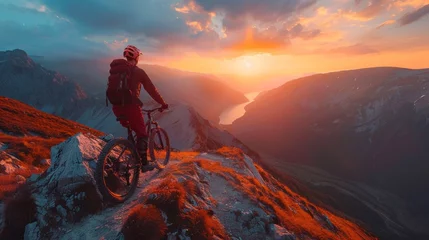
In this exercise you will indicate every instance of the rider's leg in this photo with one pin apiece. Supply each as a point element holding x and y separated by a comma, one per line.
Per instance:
<point>142,149</point>
<point>121,111</point>
<point>137,124</point>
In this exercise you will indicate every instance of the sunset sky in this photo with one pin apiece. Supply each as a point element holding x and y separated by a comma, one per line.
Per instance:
<point>243,37</point>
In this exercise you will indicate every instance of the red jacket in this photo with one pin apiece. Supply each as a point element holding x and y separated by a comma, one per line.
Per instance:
<point>138,78</point>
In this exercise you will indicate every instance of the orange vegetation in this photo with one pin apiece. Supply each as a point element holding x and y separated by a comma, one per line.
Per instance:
<point>31,133</point>
<point>182,156</point>
<point>231,152</point>
<point>144,222</point>
<point>202,225</point>
<point>17,118</point>
<point>29,149</point>
<point>170,197</point>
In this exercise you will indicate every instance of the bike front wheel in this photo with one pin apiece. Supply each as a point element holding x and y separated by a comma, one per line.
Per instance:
<point>159,147</point>
<point>117,171</point>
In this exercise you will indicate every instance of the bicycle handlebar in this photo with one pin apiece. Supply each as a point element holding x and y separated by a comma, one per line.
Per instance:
<point>152,110</point>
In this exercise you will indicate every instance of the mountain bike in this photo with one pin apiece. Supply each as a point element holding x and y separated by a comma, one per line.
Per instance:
<point>118,166</point>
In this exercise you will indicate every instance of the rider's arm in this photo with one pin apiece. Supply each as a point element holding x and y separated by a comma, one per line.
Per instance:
<point>149,87</point>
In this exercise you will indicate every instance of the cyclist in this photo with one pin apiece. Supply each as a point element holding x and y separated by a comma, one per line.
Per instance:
<point>129,106</point>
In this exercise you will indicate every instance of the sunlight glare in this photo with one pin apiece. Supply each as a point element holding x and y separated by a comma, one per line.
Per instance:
<point>249,64</point>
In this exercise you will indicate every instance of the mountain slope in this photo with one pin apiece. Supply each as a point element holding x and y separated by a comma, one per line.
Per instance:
<point>365,125</point>
<point>23,79</point>
<point>216,195</point>
<point>26,136</point>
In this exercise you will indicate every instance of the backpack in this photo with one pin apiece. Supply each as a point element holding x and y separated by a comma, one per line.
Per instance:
<point>118,92</point>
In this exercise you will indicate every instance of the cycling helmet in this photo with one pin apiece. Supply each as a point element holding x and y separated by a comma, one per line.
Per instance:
<point>132,52</point>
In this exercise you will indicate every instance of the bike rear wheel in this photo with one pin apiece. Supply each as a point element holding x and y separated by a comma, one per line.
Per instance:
<point>117,171</point>
<point>159,147</point>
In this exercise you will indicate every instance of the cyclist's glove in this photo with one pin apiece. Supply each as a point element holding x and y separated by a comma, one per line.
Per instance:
<point>164,106</point>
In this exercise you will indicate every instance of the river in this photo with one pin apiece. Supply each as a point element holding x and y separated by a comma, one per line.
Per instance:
<point>231,114</point>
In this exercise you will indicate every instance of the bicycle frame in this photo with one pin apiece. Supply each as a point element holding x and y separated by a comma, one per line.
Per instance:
<point>150,125</point>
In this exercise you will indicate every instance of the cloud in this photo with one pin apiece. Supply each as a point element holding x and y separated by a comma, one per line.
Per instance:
<point>371,10</point>
<point>265,11</point>
<point>357,49</point>
<point>401,4</point>
<point>298,32</point>
<point>39,8</point>
<point>414,15</point>
<point>250,25</point>
<point>117,44</point>
<point>149,18</point>
<point>386,23</point>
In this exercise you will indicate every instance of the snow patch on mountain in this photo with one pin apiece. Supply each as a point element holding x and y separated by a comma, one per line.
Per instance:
<point>367,118</point>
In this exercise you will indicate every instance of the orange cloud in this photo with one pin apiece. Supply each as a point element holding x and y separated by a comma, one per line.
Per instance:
<point>410,3</point>
<point>322,11</point>
<point>115,44</point>
<point>183,9</point>
<point>39,8</point>
<point>388,22</point>
<point>195,26</point>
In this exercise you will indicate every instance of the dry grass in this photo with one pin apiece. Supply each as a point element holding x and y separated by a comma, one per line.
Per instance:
<point>183,156</point>
<point>293,212</point>
<point>144,222</point>
<point>31,150</point>
<point>21,119</point>
<point>170,197</point>
<point>31,133</point>
<point>202,225</point>
<point>191,187</point>
<point>231,152</point>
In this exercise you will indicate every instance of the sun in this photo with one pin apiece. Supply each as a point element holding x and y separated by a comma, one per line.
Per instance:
<point>247,65</point>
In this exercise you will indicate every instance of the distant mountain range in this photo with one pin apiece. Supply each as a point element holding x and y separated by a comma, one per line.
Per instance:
<point>368,126</point>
